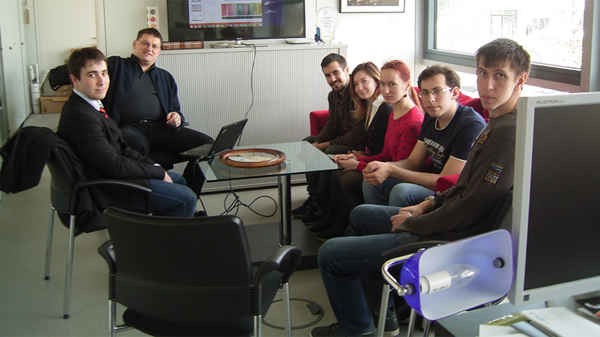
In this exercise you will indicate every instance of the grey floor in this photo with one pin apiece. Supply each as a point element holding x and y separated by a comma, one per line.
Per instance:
<point>32,306</point>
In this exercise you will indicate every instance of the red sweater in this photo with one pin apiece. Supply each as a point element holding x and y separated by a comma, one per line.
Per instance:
<point>400,138</point>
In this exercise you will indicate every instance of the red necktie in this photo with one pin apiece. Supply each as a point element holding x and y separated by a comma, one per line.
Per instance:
<point>103,112</point>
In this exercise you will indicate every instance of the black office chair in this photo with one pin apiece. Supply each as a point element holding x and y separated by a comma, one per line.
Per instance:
<point>190,276</point>
<point>499,217</point>
<point>66,188</point>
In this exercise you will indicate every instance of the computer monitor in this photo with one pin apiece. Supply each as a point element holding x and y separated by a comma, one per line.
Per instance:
<point>556,201</point>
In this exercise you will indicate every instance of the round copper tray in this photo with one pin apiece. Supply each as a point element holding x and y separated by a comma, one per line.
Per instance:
<point>252,157</point>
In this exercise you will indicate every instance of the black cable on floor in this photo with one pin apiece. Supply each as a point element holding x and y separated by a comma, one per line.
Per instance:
<point>236,203</point>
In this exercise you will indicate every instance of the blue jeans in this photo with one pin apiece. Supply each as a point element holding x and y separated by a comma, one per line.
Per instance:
<point>407,194</point>
<point>394,192</point>
<point>349,264</point>
<point>379,194</point>
<point>173,199</point>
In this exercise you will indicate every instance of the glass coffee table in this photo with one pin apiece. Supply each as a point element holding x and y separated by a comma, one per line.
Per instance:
<point>300,157</point>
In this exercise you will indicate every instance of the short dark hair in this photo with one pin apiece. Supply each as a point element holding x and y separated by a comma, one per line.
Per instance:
<point>80,57</point>
<point>333,57</point>
<point>151,31</point>
<point>452,78</point>
<point>496,52</point>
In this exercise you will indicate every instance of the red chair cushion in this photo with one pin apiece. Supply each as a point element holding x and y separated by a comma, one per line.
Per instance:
<point>318,119</point>
<point>445,182</point>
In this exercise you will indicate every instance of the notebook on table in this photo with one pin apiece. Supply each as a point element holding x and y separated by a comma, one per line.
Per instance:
<point>226,139</point>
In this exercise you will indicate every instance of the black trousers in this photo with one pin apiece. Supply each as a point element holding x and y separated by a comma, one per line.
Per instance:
<point>319,183</point>
<point>160,137</point>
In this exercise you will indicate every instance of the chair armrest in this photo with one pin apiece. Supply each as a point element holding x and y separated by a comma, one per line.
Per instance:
<point>285,257</point>
<point>445,182</point>
<point>83,184</point>
<point>106,251</point>
<point>410,248</point>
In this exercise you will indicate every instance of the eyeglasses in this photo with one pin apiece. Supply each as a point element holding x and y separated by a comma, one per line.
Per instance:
<point>435,92</point>
<point>148,45</point>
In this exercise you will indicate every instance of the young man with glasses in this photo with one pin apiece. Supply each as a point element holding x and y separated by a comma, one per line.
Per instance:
<point>448,132</point>
<point>143,101</point>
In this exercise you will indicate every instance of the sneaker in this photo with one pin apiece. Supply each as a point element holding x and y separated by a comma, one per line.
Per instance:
<point>391,328</point>
<point>299,211</point>
<point>334,330</point>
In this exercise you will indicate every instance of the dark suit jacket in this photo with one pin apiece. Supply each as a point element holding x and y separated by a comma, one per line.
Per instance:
<point>98,142</point>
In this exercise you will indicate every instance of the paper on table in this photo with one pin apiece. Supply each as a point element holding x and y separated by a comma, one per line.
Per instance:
<point>562,322</point>
<point>499,331</point>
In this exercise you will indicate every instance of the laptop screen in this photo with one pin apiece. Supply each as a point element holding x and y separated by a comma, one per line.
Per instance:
<point>227,137</point>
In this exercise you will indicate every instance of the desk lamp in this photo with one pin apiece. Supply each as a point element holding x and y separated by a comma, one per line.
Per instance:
<point>450,278</point>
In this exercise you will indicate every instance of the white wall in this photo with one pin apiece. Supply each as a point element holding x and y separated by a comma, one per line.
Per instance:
<point>62,25</point>
<point>375,37</point>
<point>120,20</point>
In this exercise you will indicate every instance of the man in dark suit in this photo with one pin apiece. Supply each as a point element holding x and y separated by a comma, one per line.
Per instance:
<point>97,140</point>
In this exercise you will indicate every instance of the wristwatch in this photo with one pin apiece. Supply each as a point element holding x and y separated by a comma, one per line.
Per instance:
<point>432,199</point>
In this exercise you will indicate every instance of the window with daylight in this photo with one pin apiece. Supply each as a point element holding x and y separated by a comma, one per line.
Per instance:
<point>551,31</point>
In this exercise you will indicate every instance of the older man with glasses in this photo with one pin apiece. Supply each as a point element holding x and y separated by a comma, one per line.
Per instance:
<point>143,101</point>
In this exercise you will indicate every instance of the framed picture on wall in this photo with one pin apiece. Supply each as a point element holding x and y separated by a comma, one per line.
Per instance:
<point>372,6</point>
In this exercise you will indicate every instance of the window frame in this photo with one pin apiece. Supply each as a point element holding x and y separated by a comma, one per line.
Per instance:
<point>539,71</point>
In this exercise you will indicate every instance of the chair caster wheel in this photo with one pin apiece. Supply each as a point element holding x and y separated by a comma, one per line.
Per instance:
<point>66,316</point>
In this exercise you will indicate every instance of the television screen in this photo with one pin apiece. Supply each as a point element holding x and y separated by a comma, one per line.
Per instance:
<point>214,20</point>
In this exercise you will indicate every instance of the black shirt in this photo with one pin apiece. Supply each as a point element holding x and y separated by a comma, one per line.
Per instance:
<point>142,102</point>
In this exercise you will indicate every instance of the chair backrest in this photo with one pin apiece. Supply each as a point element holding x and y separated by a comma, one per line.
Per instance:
<point>475,103</point>
<point>63,179</point>
<point>187,270</point>
<point>318,119</point>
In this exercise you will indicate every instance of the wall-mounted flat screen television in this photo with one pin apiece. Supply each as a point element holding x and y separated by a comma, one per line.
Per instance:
<point>216,20</point>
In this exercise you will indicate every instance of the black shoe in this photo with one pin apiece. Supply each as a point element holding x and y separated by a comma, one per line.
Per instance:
<point>299,211</point>
<point>334,331</point>
<point>391,328</point>
<point>323,224</point>
<point>311,219</point>
<point>312,215</point>
<point>337,230</point>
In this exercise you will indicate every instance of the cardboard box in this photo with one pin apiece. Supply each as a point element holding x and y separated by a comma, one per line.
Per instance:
<point>52,104</point>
